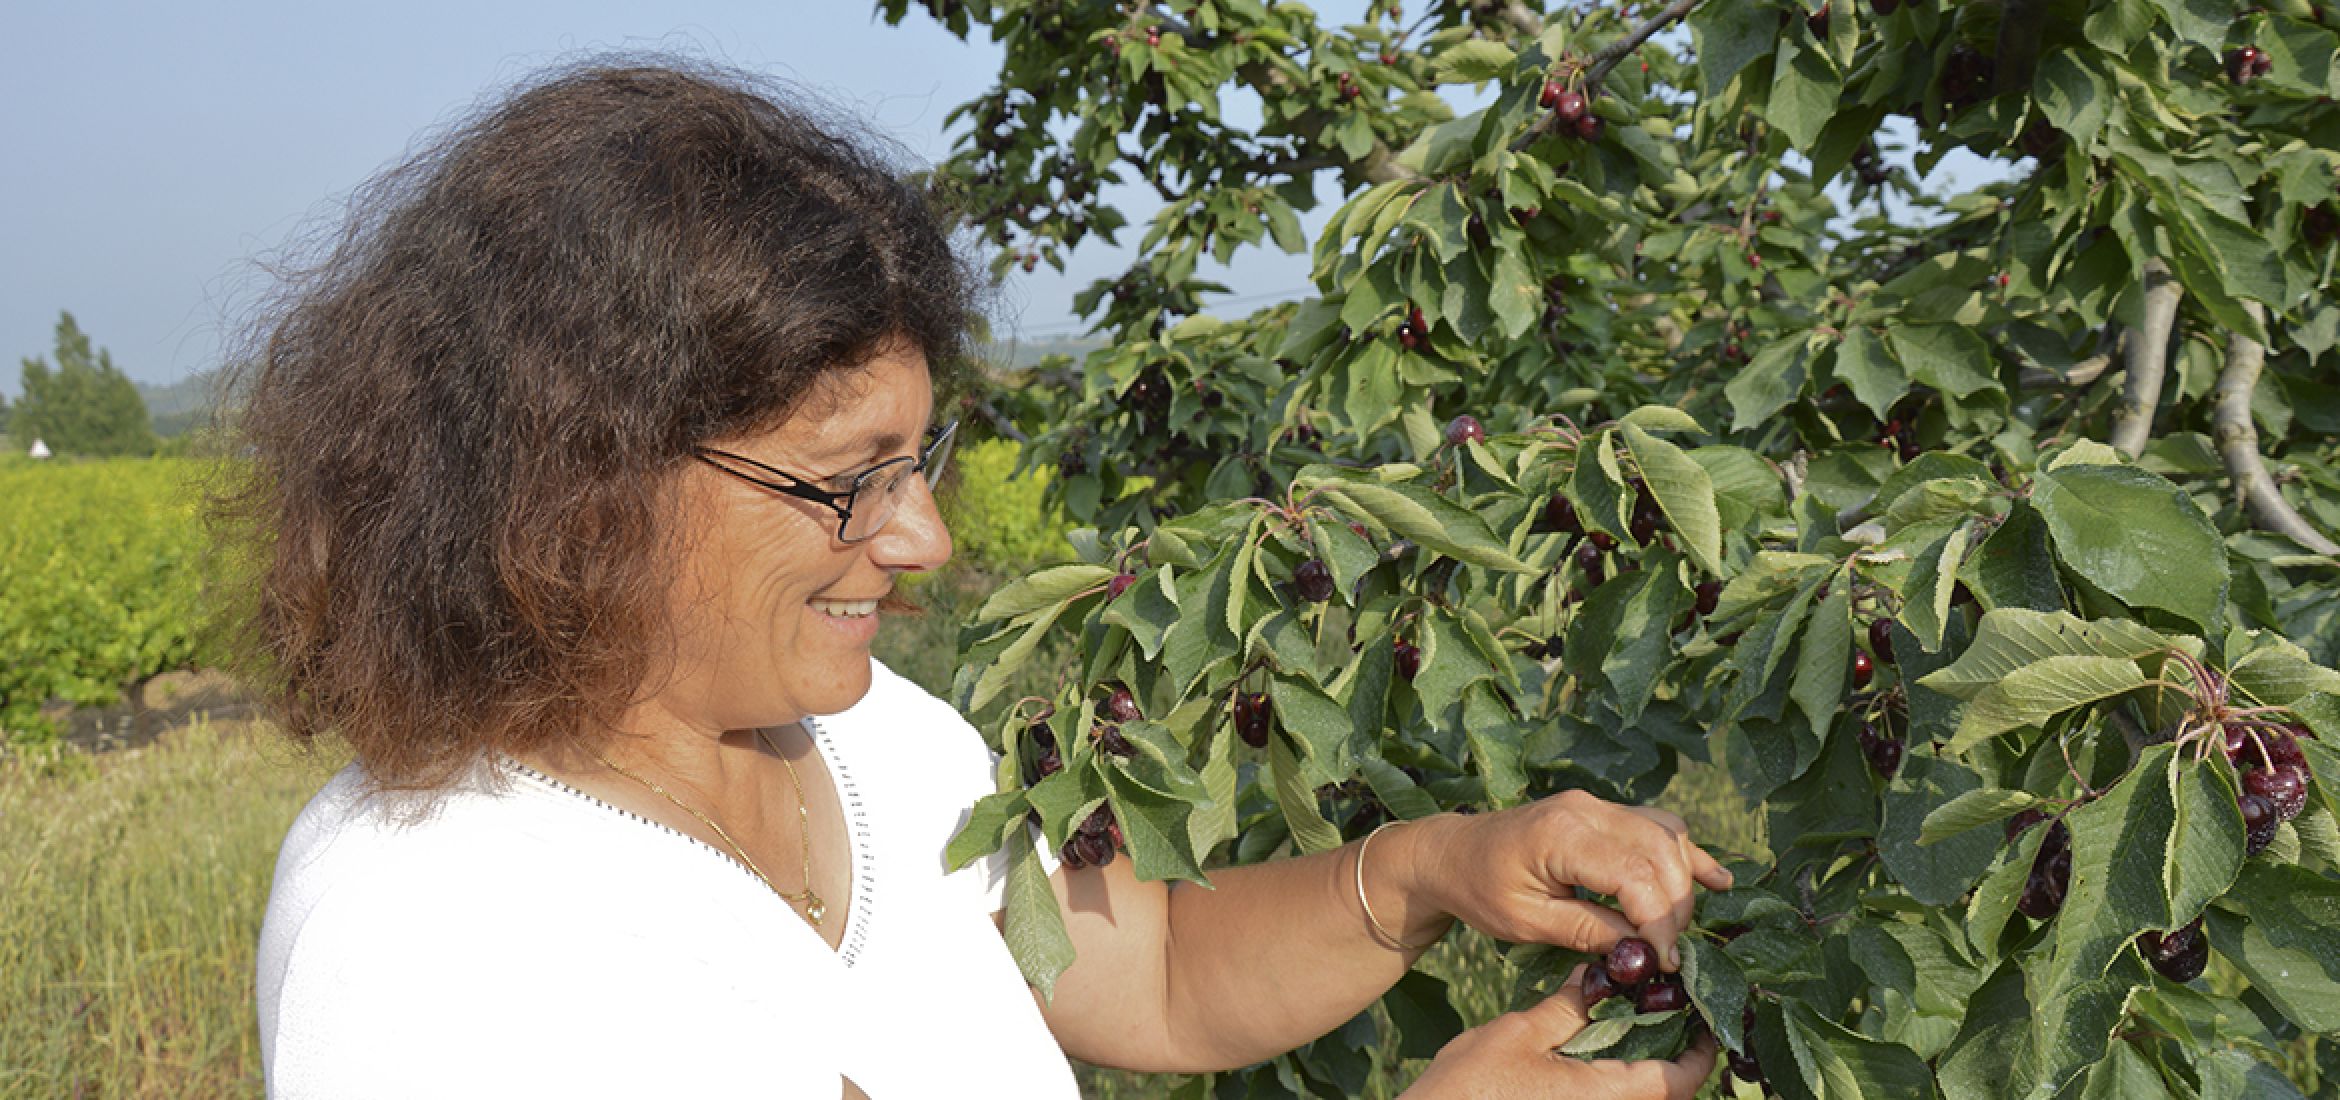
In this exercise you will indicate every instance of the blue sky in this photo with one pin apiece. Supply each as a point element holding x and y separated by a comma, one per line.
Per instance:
<point>154,155</point>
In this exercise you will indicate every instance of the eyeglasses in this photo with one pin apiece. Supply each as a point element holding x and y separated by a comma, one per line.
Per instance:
<point>867,501</point>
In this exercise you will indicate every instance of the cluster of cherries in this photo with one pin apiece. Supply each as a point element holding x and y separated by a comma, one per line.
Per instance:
<point>2274,777</point>
<point>1631,970</point>
<point>1571,113</point>
<point>2247,63</point>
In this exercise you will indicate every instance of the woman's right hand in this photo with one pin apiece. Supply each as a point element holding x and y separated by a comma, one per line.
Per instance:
<point>1513,1055</point>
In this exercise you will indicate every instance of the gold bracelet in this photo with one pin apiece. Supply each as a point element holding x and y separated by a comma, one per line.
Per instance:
<point>1368,906</point>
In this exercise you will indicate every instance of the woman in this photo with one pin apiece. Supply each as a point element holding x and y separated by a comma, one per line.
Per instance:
<point>580,473</point>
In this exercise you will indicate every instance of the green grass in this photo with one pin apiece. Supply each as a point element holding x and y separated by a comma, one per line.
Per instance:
<point>135,885</point>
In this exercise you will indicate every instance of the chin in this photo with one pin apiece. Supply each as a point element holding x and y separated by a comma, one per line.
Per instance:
<point>842,684</point>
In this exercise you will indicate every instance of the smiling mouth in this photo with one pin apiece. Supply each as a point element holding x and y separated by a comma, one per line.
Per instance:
<point>846,609</point>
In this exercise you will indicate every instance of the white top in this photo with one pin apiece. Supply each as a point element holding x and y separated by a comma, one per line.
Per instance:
<point>530,940</point>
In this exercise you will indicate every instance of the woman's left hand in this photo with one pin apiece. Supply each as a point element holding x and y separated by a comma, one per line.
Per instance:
<point>1513,874</point>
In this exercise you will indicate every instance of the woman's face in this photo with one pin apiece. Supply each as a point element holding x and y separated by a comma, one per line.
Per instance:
<point>772,615</point>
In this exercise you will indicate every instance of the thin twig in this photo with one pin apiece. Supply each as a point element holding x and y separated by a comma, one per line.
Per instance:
<point>1607,57</point>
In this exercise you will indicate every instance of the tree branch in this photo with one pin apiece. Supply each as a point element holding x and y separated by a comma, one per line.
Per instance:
<point>2238,445</point>
<point>1602,60</point>
<point>2017,59</point>
<point>2148,355</point>
<point>2081,375</point>
<point>1607,57</point>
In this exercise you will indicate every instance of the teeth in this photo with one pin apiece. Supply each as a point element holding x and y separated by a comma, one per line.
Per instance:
<point>848,609</point>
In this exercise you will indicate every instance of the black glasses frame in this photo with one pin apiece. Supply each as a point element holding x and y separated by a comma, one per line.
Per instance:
<point>938,442</point>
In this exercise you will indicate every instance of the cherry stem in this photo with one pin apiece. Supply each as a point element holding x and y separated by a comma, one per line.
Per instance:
<point>2064,743</point>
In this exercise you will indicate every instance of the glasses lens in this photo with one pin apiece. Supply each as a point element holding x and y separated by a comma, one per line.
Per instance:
<point>874,499</point>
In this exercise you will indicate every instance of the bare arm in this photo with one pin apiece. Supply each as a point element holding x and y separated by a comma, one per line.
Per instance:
<point>1277,954</point>
<point>1196,980</point>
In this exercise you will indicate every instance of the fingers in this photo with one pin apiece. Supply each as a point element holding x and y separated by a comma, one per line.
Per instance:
<point>1557,1018</point>
<point>1685,1074</point>
<point>1587,926</point>
<point>1703,867</point>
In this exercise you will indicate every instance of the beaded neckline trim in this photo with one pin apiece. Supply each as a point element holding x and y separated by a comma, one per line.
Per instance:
<point>856,919</point>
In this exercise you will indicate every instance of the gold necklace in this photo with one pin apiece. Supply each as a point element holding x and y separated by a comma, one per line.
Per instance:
<point>814,909</point>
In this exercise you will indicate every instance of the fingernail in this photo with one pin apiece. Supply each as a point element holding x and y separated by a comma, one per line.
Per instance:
<point>1674,957</point>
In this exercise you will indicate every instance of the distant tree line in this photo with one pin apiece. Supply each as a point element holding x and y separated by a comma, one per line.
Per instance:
<point>81,405</point>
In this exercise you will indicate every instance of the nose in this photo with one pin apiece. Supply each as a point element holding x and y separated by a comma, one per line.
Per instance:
<point>914,539</point>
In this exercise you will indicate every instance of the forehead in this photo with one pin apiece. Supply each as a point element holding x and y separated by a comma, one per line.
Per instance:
<point>882,406</point>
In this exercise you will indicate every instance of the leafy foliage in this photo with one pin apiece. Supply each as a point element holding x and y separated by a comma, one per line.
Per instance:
<point>99,582</point>
<point>1758,474</point>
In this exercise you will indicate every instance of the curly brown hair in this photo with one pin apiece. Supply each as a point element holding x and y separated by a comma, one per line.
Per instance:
<point>458,427</point>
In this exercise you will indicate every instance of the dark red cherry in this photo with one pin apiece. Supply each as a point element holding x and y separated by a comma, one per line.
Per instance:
<point>1313,580</point>
<point>1881,639</point>
<point>1862,669</point>
<point>1407,657</point>
<point>1597,986</point>
<point>1255,717</point>
<point>1631,961</point>
<point>2284,788</point>
<point>1121,706</point>
<point>1663,994</point>
<point>1118,585</point>
<point>2260,820</point>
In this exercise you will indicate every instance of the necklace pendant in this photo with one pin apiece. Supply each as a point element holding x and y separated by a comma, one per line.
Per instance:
<point>815,911</point>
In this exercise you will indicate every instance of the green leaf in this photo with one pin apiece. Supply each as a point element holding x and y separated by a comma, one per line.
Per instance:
<point>1933,583</point>
<point>1321,725</point>
<point>1804,90</point>
<point>2233,1075</point>
<point>1941,872</point>
<point>1054,584</point>
<point>1726,39</point>
<point>2205,843</point>
<point>1824,662</point>
<point>1716,986</point>
<point>1011,660</point>
<point>1852,1066</point>
<point>1767,384</point>
<point>1147,609</point>
<point>2030,695</point>
<point>986,828</point>
<point>1423,1014</point>
<point>1473,60</point>
<point>1161,847</point>
<point>1515,295</point>
<point>1745,486</point>
<point>1395,789</point>
<point>2123,1075</point>
<point>1034,928</point>
<point>2286,947</point>
<point>1950,358</point>
<point>2120,847</point>
<point>1661,418</point>
<point>2137,537</point>
<point>2011,638</point>
<point>2074,1025</point>
<point>1971,810</point>
<point>1496,736</point>
<point>2202,22</point>
<point>1420,514</point>
<point>2073,96</point>
<point>1876,379</point>
<point>1683,491</point>
<point>1296,797</point>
